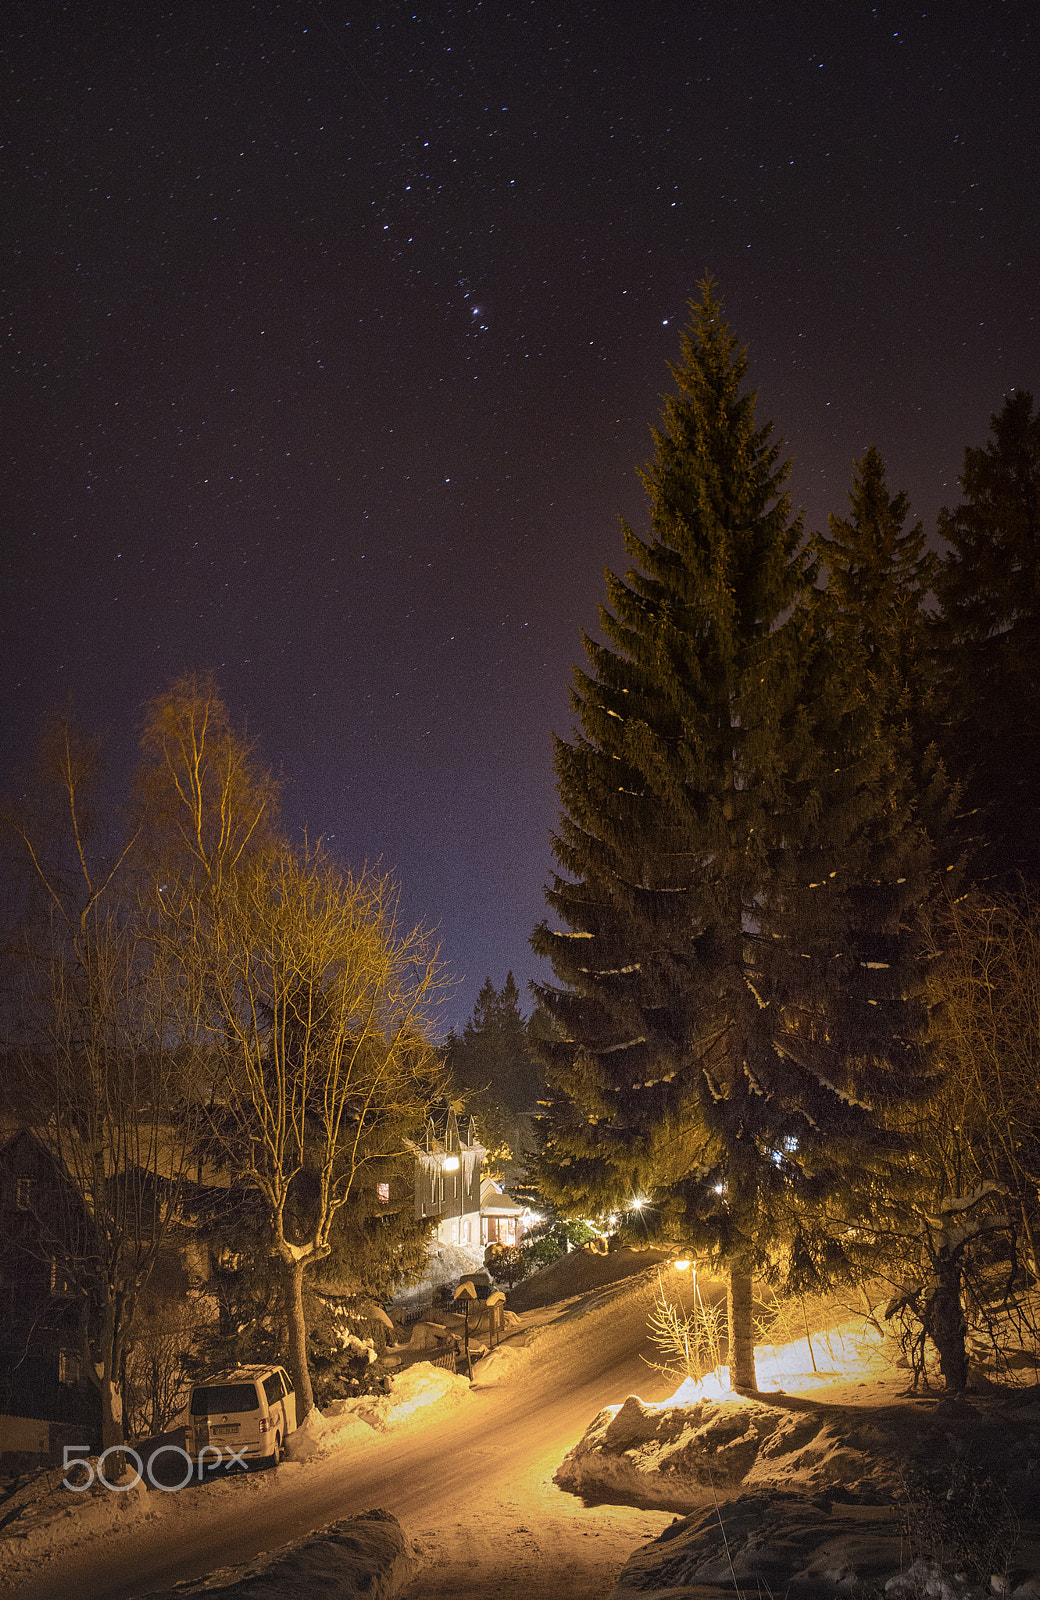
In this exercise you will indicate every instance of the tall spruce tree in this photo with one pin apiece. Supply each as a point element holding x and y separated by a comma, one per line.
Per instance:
<point>879,574</point>
<point>989,643</point>
<point>736,986</point>
<point>879,577</point>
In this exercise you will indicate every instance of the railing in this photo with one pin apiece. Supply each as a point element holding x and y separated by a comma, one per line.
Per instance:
<point>416,1311</point>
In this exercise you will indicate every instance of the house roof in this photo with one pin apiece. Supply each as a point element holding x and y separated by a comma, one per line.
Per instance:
<point>447,1138</point>
<point>494,1201</point>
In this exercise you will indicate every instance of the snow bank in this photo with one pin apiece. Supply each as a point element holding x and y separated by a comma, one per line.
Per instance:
<point>358,1556</point>
<point>420,1391</point>
<point>421,1388</point>
<point>780,1544</point>
<point>803,1547</point>
<point>336,1428</point>
<point>45,1519</point>
<point>679,1457</point>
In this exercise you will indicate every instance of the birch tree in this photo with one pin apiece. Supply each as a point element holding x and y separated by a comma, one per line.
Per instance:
<point>317,1001</point>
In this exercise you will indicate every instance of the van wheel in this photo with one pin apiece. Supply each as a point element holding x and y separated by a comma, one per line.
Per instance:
<point>276,1453</point>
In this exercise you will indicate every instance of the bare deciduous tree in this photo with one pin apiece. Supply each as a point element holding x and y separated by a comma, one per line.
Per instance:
<point>317,1002</point>
<point>105,1065</point>
<point>986,1030</point>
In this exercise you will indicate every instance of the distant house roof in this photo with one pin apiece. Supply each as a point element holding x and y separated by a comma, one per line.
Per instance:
<point>495,1202</point>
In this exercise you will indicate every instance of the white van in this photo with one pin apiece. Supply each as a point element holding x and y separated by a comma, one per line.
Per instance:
<point>247,1413</point>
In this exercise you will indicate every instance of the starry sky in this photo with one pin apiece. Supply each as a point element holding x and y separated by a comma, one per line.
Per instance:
<point>334,334</point>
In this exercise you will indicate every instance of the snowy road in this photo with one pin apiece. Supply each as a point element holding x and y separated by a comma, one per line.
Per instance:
<point>473,1490</point>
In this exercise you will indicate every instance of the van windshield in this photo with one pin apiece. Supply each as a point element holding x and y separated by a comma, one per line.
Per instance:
<point>222,1397</point>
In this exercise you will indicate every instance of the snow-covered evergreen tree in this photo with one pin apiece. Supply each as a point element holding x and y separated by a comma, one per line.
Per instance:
<point>989,643</point>
<point>740,865</point>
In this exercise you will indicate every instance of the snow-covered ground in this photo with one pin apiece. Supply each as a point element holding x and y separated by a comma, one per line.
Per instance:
<point>833,1481</point>
<point>50,1520</point>
<point>474,1477</point>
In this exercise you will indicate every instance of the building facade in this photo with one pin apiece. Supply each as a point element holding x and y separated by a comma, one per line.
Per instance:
<point>447,1180</point>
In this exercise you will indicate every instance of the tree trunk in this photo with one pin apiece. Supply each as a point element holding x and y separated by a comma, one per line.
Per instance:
<point>1028,1235</point>
<point>743,1206</point>
<point>944,1321</point>
<point>739,1308</point>
<point>296,1333</point>
<point>104,1375</point>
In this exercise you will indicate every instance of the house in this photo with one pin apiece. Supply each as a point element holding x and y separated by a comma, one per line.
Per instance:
<point>501,1217</point>
<point>45,1400</point>
<point>447,1180</point>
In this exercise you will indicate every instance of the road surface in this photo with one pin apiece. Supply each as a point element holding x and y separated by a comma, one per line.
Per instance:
<point>473,1491</point>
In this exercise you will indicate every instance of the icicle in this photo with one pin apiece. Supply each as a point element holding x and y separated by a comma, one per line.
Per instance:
<point>714,1089</point>
<point>762,1004</point>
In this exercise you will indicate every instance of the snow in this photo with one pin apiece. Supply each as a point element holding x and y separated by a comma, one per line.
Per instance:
<point>551,1490</point>
<point>445,1265</point>
<point>366,1555</point>
<point>797,1490</point>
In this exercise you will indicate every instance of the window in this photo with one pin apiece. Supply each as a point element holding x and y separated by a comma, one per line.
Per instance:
<point>61,1281</point>
<point>23,1193</point>
<point>68,1367</point>
<point>273,1388</point>
<point>383,1193</point>
<point>220,1398</point>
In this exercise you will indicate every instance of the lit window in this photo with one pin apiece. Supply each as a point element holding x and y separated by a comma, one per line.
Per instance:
<point>61,1282</point>
<point>383,1193</point>
<point>68,1367</point>
<point>23,1194</point>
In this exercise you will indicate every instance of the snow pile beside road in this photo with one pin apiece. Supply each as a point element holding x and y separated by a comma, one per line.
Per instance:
<point>682,1456</point>
<point>358,1556</point>
<point>52,1520</point>
<point>811,1548</point>
<point>785,1544</point>
<point>333,1429</point>
<point>420,1388</point>
<point>797,1495</point>
<point>345,1423</point>
<point>676,1457</point>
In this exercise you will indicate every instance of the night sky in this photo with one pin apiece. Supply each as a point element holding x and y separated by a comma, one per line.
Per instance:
<point>334,335</point>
